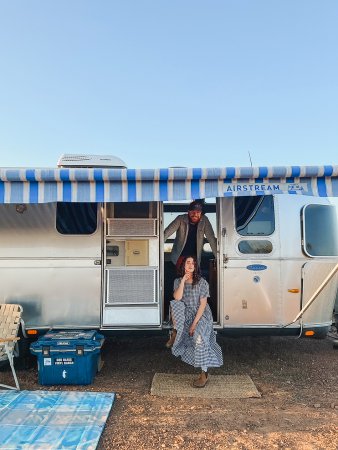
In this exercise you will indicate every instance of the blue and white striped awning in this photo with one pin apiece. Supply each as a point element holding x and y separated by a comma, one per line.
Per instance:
<point>173,184</point>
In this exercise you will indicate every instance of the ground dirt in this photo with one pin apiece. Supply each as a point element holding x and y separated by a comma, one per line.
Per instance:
<point>297,378</point>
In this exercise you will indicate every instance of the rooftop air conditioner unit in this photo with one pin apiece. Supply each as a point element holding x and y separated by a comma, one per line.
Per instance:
<point>67,160</point>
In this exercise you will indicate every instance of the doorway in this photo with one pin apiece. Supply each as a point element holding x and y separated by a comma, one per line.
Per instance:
<point>208,264</point>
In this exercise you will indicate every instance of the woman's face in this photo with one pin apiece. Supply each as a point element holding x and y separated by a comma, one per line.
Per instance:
<point>189,265</point>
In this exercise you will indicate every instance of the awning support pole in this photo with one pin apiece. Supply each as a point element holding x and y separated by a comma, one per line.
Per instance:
<point>315,295</point>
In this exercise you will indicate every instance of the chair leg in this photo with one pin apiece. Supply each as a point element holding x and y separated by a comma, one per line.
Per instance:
<point>11,363</point>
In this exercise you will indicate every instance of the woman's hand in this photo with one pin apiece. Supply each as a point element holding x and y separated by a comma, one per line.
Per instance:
<point>192,329</point>
<point>187,276</point>
<point>201,308</point>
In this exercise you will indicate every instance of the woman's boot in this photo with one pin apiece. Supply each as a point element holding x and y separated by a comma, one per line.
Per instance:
<point>201,381</point>
<point>172,338</point>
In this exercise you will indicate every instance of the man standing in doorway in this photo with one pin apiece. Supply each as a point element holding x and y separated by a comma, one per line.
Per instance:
<point>190,231</point>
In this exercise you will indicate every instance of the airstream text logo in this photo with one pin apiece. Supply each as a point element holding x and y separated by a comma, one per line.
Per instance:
<point>263,187</point>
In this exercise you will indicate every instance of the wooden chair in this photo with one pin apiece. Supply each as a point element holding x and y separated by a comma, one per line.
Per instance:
<point>10,318</point>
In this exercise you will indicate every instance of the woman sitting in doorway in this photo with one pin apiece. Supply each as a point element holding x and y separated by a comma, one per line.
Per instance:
<point>193,337</point>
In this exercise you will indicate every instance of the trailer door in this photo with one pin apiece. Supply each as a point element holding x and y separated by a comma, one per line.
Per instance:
<point>249,262</point>
<point>131,266</point>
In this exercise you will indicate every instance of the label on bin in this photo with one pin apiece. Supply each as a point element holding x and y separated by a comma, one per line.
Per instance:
<point>63,361</point>
<point>47,361</point>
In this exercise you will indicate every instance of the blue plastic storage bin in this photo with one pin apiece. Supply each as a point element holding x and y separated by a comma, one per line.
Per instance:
<point>68,357</point>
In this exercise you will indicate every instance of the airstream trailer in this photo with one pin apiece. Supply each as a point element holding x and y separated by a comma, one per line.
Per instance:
<point>81,245</point>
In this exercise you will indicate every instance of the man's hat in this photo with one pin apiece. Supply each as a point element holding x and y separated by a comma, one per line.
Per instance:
<point>195,206</point>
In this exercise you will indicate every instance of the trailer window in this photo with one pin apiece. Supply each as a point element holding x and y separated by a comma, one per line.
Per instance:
<point>76,218</point>
<point>320,230</point>
<point>251,247</point>
<point>254,216</point>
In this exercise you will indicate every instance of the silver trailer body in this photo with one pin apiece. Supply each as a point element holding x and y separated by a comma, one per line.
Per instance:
<point>270,289</point>
<point>53,276</point>
<point>112,277</point>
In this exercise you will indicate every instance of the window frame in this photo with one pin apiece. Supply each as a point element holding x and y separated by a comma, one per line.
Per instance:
<point>303,228</point>
<point>262,197</point>
<point>78,234</point>
<point>254,240</point>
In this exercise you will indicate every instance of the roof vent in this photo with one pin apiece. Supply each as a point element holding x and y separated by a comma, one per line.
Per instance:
<point>67,160</point>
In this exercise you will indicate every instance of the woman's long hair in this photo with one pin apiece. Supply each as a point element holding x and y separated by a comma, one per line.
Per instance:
<point>196,276</point>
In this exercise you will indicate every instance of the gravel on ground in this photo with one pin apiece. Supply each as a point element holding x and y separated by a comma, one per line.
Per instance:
<point>298,380</point>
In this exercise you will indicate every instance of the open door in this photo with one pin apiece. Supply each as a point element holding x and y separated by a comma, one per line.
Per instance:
<point>131,266</point>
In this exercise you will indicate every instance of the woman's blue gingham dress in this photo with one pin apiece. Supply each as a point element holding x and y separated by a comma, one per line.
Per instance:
<point>201,349</point>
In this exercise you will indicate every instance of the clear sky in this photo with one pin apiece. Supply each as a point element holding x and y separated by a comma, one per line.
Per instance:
<point>169,83</point>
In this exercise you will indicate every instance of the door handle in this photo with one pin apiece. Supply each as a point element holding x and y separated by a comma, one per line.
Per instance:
<point>224,245</point>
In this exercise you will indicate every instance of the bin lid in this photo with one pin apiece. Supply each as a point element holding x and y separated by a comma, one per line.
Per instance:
<point>68,340</point>
<point>70,335</point>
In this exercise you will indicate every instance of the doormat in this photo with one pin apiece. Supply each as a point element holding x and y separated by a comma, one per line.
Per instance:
<point>218,386</point>
<point>51,420</point>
